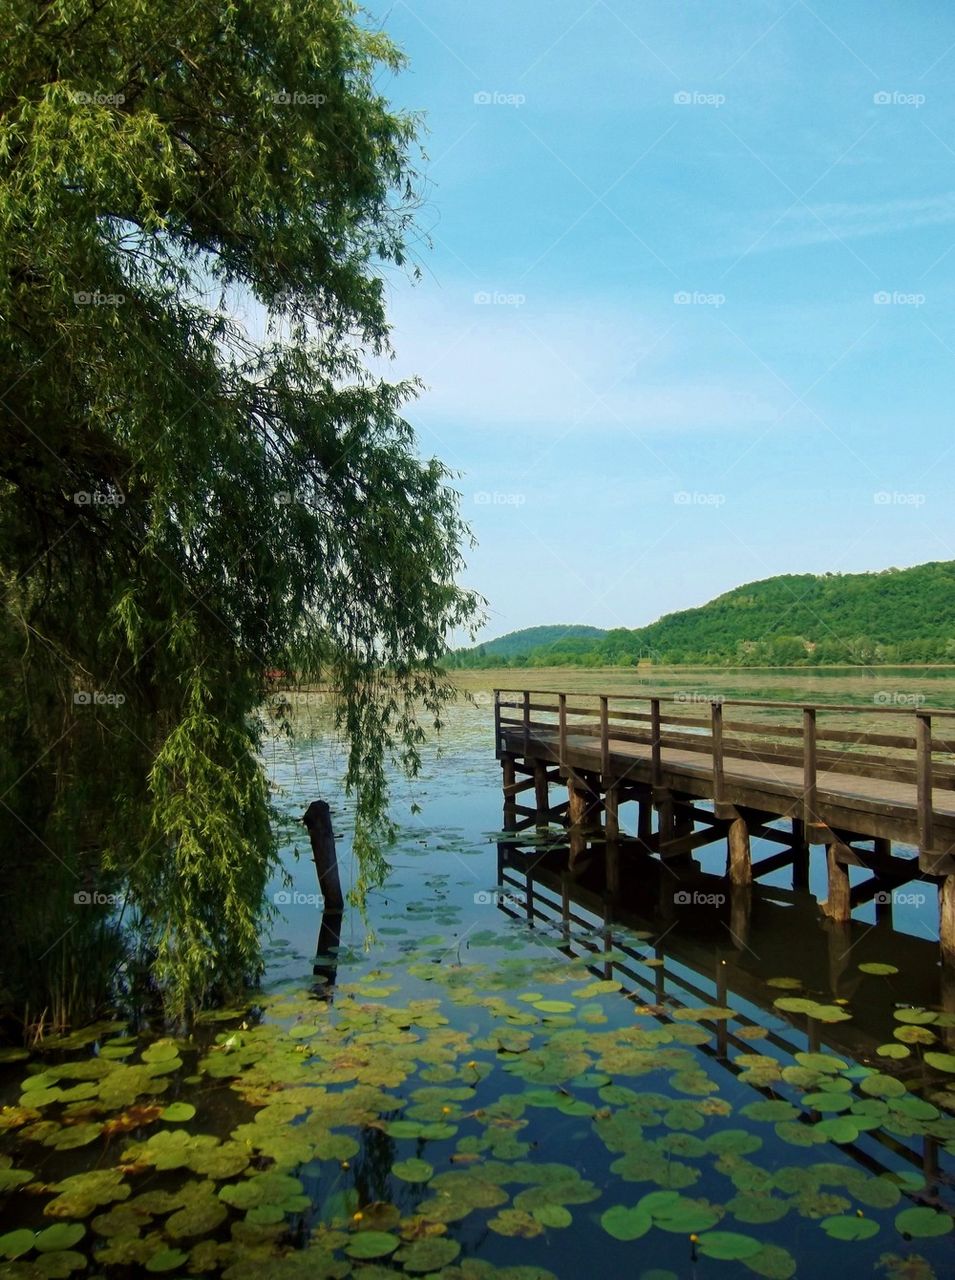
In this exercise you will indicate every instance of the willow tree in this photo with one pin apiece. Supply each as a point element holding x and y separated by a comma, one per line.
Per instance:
<point>201,479</point>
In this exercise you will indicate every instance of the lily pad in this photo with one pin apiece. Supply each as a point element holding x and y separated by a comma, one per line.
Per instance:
<point>921,1222</point>
<point>625,1223</point>
<point>843,1227</point>
<point>413,1170</point>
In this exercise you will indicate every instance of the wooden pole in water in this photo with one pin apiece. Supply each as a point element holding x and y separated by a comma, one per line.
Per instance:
<point>838,906</point>
<point>739,860</point>
<point>318,822</point>
<point>946,921</point>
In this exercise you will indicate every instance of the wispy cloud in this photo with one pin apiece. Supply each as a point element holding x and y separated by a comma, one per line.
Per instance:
<point>825,223</point>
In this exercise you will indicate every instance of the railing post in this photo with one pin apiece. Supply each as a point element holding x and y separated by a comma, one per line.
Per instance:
<point>604,739</point>
<point>562,731</point>
<point>497,723</point>
<point>527,722</point>
<point>655,748</point>
<point>809,764</point>
<point>923,765</point>
<point>716,730</point>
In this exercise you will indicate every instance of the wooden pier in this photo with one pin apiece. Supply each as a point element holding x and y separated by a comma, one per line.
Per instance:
<point>700,770</point>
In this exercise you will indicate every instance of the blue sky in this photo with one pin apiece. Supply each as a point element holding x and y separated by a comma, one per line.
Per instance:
<point>687,313</point>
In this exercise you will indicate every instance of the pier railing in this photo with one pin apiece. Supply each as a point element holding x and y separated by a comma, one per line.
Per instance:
<point>906,743</point>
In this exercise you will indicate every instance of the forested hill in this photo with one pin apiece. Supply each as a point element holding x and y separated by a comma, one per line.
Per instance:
<point>517,644</point>
<point>896,615</point>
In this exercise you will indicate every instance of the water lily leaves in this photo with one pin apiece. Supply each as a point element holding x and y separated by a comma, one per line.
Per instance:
<point>893,1051</point>
<point>625,1223</point>
<point>772,1261</point>
<point>10,1178</point>
<point>916,1017</point>
<point>843,1227</point>
<point>64,1235</point>
<point>914,1035</point>
<point>771,1109</point>
<point>738,1142</point>
<point>82,1193</point>
<point>16,1243</point>
<point>877,968</point>
<point>755,1207</point>
<point>166,1260</point>
<point>941,1061</point>
<point>178,1112</point>
<point>823,1062</point>
<point>427,1255</point>
<point>201,1214</point>
<point>839,1129</point>
<point>264,1188</point>
<point>795,1004</point>
<point>372,1244</point>
<point>515,1223</point>
<point>672,1212</point>
<point>413,1170</point>
<point>877,1193</point>
<point>921,1222</point>
<point>552,1215</point>
<point>161,1051</point>
<point>729,1246</point>
<point>827,1101</point>
<point>882,1086</point>
<point>784,984</point>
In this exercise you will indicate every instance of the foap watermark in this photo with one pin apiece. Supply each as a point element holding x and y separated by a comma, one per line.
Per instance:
<point>686,898</point>
<point>99,498</point>
<point>896,98</point>
<point>494,98</point>
<point>694,697</point>
<point>484,298</point>
<point>292,898</point>
<point>93,898</point>
<point>893,498</point>
<point>696,299</point>
<point>97,698</point>
<point>98,99</point>
<point>899,898</point>
<point>93,298</point>
<point>898,299</point>
<point>496,499</point>
<point>496,898</point>
<point>688,498</point>
<point>693,98</point>
<point>898,698</point>
<point>298,98</point>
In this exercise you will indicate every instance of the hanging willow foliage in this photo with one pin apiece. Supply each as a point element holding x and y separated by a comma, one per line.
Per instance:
<point>187,501</point>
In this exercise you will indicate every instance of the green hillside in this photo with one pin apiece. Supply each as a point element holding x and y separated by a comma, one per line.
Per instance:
<point>894,616</point>
<point>520,643</point>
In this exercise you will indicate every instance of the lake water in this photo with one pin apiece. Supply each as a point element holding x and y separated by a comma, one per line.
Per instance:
<point>472,1088</point>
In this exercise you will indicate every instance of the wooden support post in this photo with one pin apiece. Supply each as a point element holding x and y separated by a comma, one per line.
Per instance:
<point>576,813</point>
<point>541,792</point>
<point>716,732</point>
<point>612,846</point>
<point>562,729</point>
<point>809,763</point>
<point>565,902</point>
<point>838,905</point>
<point>527,723</point>
<point>660,973</point>
<point>612,814</point>
<point>497,723</point>
<point>318,822</point>
<point>739,865</point>
<point>510,800</point>
<point>923,744</point>
<point>326,949</point>
<point>656,750</point>
<point>613,868</point>
<point>946,921</point>
<point>665,817</point>
<point>529,898</point>
<point>644,819</point>
<point>800,855</point>
<point>741,910</point>
<point>604,740</point>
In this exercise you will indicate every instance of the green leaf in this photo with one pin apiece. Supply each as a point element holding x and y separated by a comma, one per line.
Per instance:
<point>413,1170</point>
<point>843,1227</point>
<point>729,1246</point>
<point>922,1222</point>
<point>625,1223</point>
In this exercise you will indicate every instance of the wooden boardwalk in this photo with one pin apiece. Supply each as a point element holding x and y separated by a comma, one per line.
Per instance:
<point>882,798</point>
